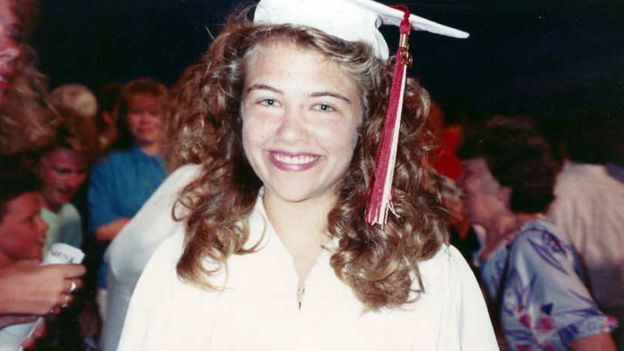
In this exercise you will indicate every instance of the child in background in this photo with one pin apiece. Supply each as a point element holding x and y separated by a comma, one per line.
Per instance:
<point>62,168</point>
<point>22,230</point>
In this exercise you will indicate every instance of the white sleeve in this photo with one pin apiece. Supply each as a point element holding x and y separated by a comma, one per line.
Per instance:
<point>475,328</point>
<point>131,249</point>
<point>148,307</point>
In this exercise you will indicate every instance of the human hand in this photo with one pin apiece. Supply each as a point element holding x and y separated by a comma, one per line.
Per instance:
<point>26,287</point>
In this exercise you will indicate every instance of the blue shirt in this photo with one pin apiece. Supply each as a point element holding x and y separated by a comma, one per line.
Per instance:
<point>545,303</point>
<point>119,185</point>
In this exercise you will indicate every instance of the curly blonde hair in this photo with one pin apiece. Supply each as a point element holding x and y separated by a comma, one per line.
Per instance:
<point>27,120</point>
<point>380,265</point>
<point>73,132</point>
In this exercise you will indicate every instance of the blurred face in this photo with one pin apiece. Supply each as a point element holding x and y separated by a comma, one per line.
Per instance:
<point>143,119</point>
<point>299,121</point>
<point>484,197</point>
<point>10,32</point>
<point>22,231</point>
<point>62,172</point>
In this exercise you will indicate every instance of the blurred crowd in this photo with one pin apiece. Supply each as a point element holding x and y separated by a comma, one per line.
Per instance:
<point>534,205</point>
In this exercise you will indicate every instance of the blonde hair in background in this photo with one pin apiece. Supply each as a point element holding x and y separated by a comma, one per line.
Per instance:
<point>27,120</point>
<point>76,133</point>
<point>76,97</point>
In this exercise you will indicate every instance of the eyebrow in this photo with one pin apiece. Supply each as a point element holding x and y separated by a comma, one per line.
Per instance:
<point>263,87</point>
<point>331,94</point>
<point>315,94</point>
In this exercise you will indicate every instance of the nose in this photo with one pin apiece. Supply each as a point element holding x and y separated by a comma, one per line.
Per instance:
<point>292,127</point>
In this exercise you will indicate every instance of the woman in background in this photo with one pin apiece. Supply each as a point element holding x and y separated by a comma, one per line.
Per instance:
<point>128,175</point>
<point>26,124</point>
<point>531,273</point>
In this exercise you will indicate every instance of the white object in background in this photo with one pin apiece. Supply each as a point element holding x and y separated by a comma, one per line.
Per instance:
<point>11,337</point>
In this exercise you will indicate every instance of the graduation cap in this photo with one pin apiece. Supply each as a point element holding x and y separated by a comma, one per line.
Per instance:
<point>350,20</point>
<point>359,20</point>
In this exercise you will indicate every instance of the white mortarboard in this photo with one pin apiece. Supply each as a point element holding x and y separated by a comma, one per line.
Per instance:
<point>359,20</point>
<point>351,20</point>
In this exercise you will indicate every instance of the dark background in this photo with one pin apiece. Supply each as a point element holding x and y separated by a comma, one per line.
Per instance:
<point>539,56</point>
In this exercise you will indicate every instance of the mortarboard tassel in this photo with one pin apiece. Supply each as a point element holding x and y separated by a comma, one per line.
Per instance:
<point>380,195</point>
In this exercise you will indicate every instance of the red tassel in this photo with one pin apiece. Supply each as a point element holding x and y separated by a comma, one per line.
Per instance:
<point>380,195</point>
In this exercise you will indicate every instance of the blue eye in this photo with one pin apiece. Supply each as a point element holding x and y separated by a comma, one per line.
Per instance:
<point>324,107</point>
<point>268,102</point>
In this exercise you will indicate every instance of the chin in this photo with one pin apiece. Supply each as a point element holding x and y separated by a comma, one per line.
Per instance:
<point>297,193</point>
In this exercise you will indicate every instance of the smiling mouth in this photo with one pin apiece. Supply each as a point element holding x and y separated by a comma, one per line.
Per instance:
<point>293,162</point>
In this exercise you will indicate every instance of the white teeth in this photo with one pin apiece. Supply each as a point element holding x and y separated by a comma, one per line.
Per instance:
<point>296,160</point>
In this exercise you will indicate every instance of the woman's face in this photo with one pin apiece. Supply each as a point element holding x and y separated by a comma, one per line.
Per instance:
<point>143,119</point>
<point>9,46</point>
<point>62,172</point>
<point>300,119</point>
<point>484,197</point>
<point>22,231</point>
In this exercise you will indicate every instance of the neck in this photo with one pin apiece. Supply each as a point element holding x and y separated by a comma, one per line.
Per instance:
<point>301,226</point>
<point>151,148</point>
<point>505,224</point>
<point>49,205</point>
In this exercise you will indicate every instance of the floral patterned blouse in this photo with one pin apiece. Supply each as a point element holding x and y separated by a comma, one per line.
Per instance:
<point>545,304</point>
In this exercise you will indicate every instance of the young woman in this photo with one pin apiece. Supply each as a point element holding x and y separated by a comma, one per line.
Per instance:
<point>531,273</point>
<point>272,250</point>
<point>128,175</point>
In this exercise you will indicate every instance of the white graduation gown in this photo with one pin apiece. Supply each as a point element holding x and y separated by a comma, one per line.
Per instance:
<point>259,309</point>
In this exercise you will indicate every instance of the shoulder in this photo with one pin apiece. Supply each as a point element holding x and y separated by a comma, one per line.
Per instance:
<point>111,160</point>
<point>183,175</point>
<point>161,267</point>
<point>448,257</point>
<point>170,249</point>
<point>539,233</point>
<point>578,179</point>
<point>540,247</point>
<point>450,284</point>
<point>447,266</point>
<point>70,216</point>
<point>69,211</point>
<point>131,249</point>
<point>117,155</point>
